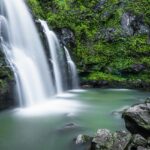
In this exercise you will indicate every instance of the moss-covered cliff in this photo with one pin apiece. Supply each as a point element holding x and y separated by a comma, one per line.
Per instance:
<point>110,39</point>
<point>6,83</point>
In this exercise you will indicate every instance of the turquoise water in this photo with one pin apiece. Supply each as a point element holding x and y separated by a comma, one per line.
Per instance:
<point>44,127</point>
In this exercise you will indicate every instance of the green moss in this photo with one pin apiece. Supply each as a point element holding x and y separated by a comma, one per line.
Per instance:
<point>36,8</point>
<point>96,76</point>
<point>90,22</point>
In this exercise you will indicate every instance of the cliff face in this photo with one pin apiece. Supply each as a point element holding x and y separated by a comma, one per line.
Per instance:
<point>108,38</point>
<point>6,83</point>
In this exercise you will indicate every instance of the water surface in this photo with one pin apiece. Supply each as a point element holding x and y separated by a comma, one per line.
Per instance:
<point>44,127</point>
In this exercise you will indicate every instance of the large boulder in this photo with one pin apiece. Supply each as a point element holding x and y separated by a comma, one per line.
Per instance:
<point>137,119</point>
<point>132,24</point>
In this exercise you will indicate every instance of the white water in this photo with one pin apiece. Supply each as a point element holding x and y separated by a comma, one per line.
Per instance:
<point>54,47</point>
<point>73,70</point>
<point>26,56</point>
<point>34,80</point>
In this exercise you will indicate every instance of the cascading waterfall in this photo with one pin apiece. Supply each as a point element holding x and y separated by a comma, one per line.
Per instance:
<point>26,54</point>
<point>54,48</point>
<point>72,70</point>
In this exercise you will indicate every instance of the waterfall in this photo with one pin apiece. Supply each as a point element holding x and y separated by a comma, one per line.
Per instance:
<point>56,54</point>
<point>54,48</point>
<point>35,82</point>
<point>26,53</point>
<point>72,70</point>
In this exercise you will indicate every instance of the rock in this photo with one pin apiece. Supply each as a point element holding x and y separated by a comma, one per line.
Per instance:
<point>70,125</point>
<point>108,34</point>
<point>138,140</point>
<point>137,119</point>
<point>132,24</point>
<point>121,140</point>
<point>83,142</point>
<point>103,139</point>
<point>67,37</point>
<point>137,68</point>
<point>120,110</point>
<point>142,148</point>
<point>86,86</point>
<point>81,139</point>
<point>127,18</point>
<point>133,69</point>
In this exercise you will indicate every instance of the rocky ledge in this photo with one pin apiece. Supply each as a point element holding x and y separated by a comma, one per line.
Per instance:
<point>137,121</point>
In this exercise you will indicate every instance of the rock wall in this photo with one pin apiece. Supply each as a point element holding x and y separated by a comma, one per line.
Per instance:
<point>109,39</point>
<point>7,83</point>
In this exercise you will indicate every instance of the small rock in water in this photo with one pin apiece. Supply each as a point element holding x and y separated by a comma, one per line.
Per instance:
<point>70,125</point>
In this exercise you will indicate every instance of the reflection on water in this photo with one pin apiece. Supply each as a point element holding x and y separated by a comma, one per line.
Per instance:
<point>54,124</point>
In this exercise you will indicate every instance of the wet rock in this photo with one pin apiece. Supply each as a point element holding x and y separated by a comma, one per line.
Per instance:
<point>137,119</point>
<point>120,111</point>
<point>142,148</point>
<point>81,139</point>
<point>133,24</point>
<point>66,36</point>
<point>103,139</point>
<point>83,142</point>
<point>121,140</point>
<point>127,18</point>
<point>70,125</point>
<point>86,86</point>
<point>138,140</point>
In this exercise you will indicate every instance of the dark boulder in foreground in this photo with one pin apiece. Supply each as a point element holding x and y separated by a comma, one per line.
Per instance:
<point>137,119</point>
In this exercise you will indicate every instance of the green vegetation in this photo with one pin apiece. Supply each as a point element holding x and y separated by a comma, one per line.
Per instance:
<point>5,74</point>
<point>102,48</point>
